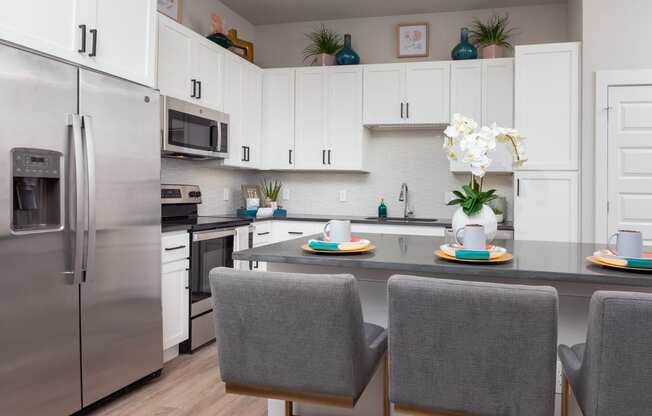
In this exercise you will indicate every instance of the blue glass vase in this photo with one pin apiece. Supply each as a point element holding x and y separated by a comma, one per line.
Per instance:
<point>464,49</point>
<point>346,55</point>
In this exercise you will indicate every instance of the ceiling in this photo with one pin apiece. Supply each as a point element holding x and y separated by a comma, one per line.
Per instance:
<point>261,12</point>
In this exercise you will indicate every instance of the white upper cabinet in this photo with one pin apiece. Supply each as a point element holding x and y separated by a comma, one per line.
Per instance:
<point>114,36</point>
<point>242,102</point>
<point>310,118</point>
<point>546,104</point>
<point>190,67</point>
<point>546,206</point>
<point>383,94</point>
<point>407,94</point>
<point>208,60</point>
<point>346,136</point>
<point>484,91</point>
<point>427,93</point>
<point>278,119</point>
<point>125,39</point>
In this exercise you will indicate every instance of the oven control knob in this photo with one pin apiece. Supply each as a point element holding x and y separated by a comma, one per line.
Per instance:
<point>194,194</point>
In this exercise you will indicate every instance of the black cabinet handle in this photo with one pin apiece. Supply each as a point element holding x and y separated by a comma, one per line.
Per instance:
<point>290,156</point>
<point>174,248</point>
<point>323,157</point>
<point>407,110</point>
<point>244,153</point>
<point>194,88</point>
<point>329,156</point>
<point>248,154</point>
<point>265,233</point>
<point>93,43</point>
<point>401,110</point>
<point>518,187</point>
<point>295,232</point>
<point>199,90</point>
<point>83,39</point>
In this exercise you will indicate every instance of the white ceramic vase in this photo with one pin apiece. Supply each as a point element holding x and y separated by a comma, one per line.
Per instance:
<point>485,217</point>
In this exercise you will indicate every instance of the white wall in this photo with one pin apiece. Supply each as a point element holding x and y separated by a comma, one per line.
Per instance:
<point>616,35</point>
<point>575,20</point>
<point>415,158</point>
<point>375,38</point>
<point>197,16</point>
<point>212,181</point>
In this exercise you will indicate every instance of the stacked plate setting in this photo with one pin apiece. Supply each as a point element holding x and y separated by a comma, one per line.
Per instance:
<point>356,245</point>
<point>607,258</point>
<point>456,252</point>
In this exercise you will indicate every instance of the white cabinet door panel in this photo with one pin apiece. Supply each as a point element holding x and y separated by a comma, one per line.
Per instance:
<point>44,25</point>
<point>384,94</point>
<point>175,59</point>
<point>427,93</point>
<point>310,121</point>
<point>546,206</point>
<point>278,119</point>
<point>498,105</point>
<point>630,160</point>
<point>175,301</point>
<point>345,134</point>
<point>546,104</point>
<point>209,70</point>
<point>233,105</point>
<point>126,39</point>
<point>466,89</point>
<point>252,113</point>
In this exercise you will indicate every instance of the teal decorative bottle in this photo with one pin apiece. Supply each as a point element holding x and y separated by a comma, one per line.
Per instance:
<point>382,209</point>
<point>464,49</point>
<point>346,55</point>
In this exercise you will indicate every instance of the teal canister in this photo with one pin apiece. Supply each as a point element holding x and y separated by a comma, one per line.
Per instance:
<point>382,209</point>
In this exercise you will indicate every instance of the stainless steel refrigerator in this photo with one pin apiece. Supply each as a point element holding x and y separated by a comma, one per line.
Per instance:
<point>80,303</point>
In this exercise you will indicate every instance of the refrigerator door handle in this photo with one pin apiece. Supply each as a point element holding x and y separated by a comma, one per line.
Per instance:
<point>91,195</point>
<point>77,226</point>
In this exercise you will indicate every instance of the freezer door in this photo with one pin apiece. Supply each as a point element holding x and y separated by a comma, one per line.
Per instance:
<point>39,304</point>
<point>121,295</point>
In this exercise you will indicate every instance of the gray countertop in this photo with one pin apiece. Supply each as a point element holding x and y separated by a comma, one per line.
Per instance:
<point>443,222</point>
<point>533,260</point>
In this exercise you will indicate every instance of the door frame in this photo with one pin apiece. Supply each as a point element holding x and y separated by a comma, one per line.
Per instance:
<point>603,81</point>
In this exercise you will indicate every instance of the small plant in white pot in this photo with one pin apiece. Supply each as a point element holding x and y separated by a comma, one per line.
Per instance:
<point>475,145</point>
<point>324,44</point>
<point>493,36</point>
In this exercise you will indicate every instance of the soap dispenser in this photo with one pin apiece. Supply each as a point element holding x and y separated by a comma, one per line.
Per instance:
<point>382,209</point>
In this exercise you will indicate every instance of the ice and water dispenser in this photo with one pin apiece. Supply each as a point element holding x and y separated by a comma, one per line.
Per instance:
<point>36,188</point>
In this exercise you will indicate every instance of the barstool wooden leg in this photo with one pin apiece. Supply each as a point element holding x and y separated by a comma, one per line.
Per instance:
<point>386,388</point>
<point>288,408</point>
<point>565,391</point>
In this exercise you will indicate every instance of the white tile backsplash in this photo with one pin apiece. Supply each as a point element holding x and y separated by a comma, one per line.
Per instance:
<point>394,157</point>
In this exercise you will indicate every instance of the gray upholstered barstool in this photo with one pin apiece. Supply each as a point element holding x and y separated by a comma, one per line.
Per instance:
<point>468,348</point>
<point>612,373</point>
<point>294,337</point>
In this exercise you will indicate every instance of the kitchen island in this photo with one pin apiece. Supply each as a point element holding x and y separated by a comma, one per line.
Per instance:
<point>561,265</point>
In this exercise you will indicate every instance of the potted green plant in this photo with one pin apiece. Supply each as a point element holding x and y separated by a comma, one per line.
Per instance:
<point>324,44</point>
<point>270,192</point>
<point>493,36</point>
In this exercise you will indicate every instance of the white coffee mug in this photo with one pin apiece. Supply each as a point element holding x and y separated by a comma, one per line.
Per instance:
<point>628,243</point>
<point>337,231</point>
<point>473,237</point>
<point>252,203</point>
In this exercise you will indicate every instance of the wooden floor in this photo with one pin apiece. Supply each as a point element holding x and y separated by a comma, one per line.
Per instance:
<point>189,385</point>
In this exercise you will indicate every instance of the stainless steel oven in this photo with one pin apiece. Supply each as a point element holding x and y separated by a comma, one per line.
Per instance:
<point>189,130</point>
<point>210,249</point>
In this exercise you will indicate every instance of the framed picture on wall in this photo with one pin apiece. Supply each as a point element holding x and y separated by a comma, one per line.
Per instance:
<point>413,40</point>
<point>171,8</point>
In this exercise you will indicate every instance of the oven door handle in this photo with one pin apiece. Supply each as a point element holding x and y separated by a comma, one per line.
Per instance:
<point>212,234</point>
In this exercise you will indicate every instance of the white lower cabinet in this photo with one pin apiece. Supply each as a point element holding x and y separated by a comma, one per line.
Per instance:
<point>175,296</point>
<point>241,242</point>
<point>546,206</point>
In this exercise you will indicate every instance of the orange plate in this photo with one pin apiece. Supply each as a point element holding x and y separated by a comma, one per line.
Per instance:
<point>367,249</point>
<point>596,260</point>
<point>506,258</point>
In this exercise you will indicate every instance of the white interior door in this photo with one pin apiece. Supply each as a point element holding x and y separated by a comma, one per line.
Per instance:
<point>310,122</point>
<point>630,160</point>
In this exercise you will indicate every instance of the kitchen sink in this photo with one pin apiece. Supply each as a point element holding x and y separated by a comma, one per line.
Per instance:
<point>402,219</point>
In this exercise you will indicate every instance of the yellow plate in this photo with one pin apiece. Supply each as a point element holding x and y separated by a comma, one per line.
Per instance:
<point>596,260</point>
<point>505,258</point>
<point>367,249</point>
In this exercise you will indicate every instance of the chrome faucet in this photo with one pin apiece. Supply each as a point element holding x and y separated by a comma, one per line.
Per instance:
<point>403,197</point>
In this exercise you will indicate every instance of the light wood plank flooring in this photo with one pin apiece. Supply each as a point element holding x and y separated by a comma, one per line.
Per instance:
<point>189,385</point>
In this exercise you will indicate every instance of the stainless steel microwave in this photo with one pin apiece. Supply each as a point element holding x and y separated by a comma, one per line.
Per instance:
<point>193,131</point>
